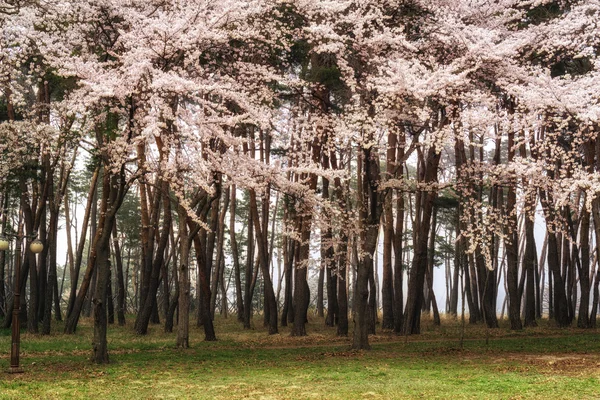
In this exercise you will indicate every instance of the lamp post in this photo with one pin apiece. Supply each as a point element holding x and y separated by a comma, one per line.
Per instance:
<point>36,246</point>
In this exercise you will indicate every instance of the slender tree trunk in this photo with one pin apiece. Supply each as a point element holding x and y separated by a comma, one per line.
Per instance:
<point>218,272</point>
<point>263,254</point>
<point>301,290</point>
<point>327,256</point>
<point>183,320</point>
<point>342,254</point>
<point>387,290</point>
<point>211,239</point>
<point>110,304</point>
<point>512,244</point>
<point>204,303</point>
<point>100,343</point>
<point>287,311</point>
<point>121,306</point>
<point>412,323</point>
<point>87,305</point>
<point>249,268</point>
<point>141,326</point>
<point>52,278</point>
<point>370,208</point>
<point>596,290</point>
<point>80,248</point>
<point>113,192</point>
<point>235,256</point>
<point>3,263</point>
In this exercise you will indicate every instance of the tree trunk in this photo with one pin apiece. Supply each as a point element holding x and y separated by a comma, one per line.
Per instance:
<point>289,255</point>
<point>74,274</point>
<point>263,253</point>
<point>121,306</point>
<point>3,223</point>
<point>141,325</point>
<point>512,244</point>
<point>204,301</point>
<point>52,278</point>
<point>301,291</point>
<point>218,272</point>
<point>370,207</point>
<point>183,320</point>
<point>387,286</point>
<point>249,276</point>
<point>398,243</point>
<point>87,305</point>
<point>412,322</point>
<point>113,192</point>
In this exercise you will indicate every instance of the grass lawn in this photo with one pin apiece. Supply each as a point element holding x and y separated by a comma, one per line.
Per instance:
<point>542,363</point>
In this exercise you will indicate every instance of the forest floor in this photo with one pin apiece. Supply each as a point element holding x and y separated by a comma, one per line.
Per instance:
<point>543,362</point>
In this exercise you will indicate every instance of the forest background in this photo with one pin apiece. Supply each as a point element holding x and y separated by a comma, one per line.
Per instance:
<point>225,153</point>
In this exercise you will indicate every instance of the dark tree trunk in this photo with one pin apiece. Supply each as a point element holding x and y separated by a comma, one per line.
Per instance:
<point>430,266</point>
<point>141,326</point>
<point>52,278</point>
<point>429,167</point>
<point>370,207</point>
<point>512,244</point>
<point>453,309</point>
<point>80,248</point>
<point>87,305</point>
<point>596,289</point>
<point>211,239</point>
<point>183,284</point>
<point>342,329</point>
<point>100,343</point>
<point>301,291</point>
<point>150,218</point>
<point>320,289</point>
<point>249,276</point>
<point>204,301</point>
<point>387,286</point>
<point>304,224</point>
<point>462,259</point>
<point>28,213</point>
<point>218,271</point>
<point>530,267</point>
<point>113,192</point>
<point>560,306</point>
<point>110,304</point>
<point>488,295</point>
<point>398,243</point>
<point>361,294</point>
<point>342,262</point>
<point>583,320</point>
<point>121,307</point>
<point>327,259</point>
<point>287,311</point>
<point>236,257</point>
<point>263,254</point>
<point>3,263</point>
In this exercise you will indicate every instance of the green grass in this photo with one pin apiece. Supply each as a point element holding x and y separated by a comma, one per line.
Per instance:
<point>543,363</point>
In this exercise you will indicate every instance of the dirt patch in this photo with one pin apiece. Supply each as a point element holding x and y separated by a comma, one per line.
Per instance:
<point>570,364</point>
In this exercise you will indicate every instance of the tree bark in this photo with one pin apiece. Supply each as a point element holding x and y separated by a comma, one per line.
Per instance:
<point>235,256</point>
<point>121,306</point>
<point>145,313</point>
<point>183,320</point>
<point>74,274</point>
<point>412,322</point>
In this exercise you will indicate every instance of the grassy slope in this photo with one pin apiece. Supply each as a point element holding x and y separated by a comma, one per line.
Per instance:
<point>536,363</point>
